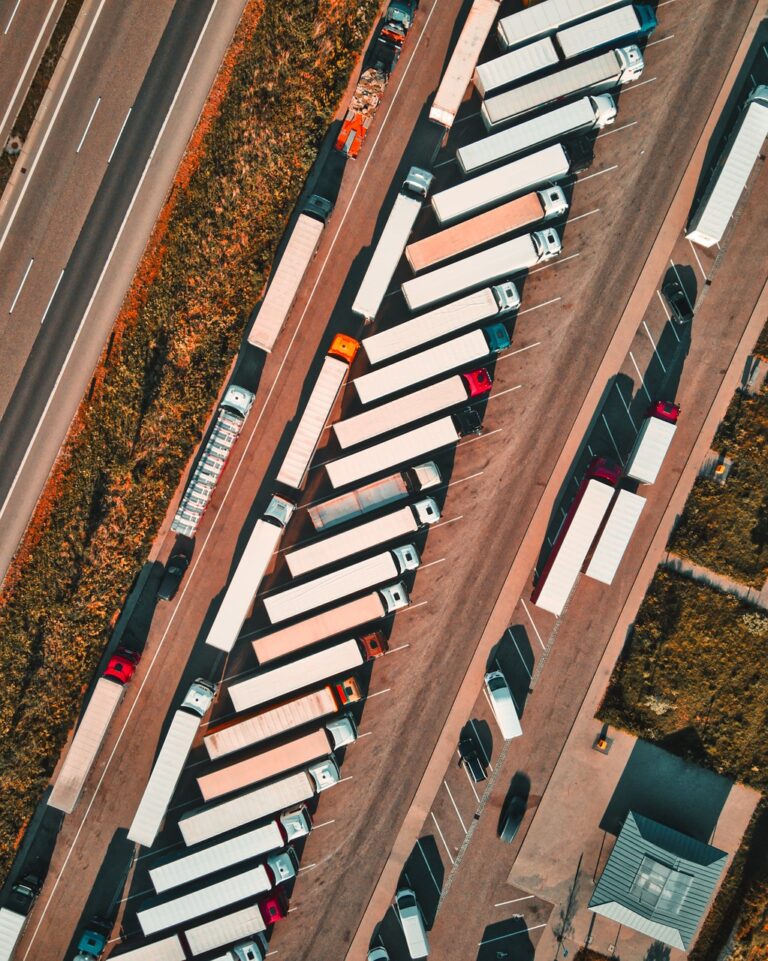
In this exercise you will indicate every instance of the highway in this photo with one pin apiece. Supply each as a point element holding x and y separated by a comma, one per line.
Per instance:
<point>74,225</point>
<point>580,316</point>
<point>26,27</point>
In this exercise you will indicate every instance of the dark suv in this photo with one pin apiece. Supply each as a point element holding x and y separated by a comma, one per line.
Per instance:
<point>677,300</point>
<point>470,758</point>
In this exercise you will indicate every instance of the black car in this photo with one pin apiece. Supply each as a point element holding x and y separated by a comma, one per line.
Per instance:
<point>471,759</point>
<point>677,299</point>
<point>513,818</point>
<point>175,570</point>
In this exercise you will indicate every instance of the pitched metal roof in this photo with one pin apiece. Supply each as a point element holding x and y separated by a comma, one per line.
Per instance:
<point>658,881</point>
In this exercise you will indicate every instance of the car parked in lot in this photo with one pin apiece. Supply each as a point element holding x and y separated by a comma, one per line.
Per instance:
<point>175,570</point>
<point>513,817</point>
<point>471,759</point>
<point>677,301</point>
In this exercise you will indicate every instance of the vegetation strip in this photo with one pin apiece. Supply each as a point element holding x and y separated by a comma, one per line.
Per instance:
<point>153,389</point>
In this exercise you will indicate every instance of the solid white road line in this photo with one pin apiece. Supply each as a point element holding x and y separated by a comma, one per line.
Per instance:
<point>502,904</point>
<point>546,303</point>
<point>385,690</point>
<point>555,263</point>
<point>412,607</point>
<point>455,807</point>
<point>650,337</point>
<point>472,440</point>
<point>431,564</point>
<point>50,301</point>
<point>446,523</point>
<point>642,381</point>
<point>393,650</point>
<point>324,824</point>
<point>10,21</point>
<point>572,220</point>
<point>22,76</point>
<point>117,139</point>
<point>597,173</point>
<point>520,350</point>
<point>625,126</point>
<point>660,40</point>
<point>442,838</point>
<point>21,285</point>
<point>88,125</point>
<point>533,624</point>
<point>46,135</point>
<point>636,86</point>
<point>463,480</point>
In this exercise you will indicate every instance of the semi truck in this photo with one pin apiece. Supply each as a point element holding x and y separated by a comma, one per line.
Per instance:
<point>249,573</point>
<point>391,244</point>
<point>416,406</point>
<point>485,304</point>
<point>226,854</point>
<point>547,18</point>
<point>371,497</point>
<point>261,725</point>
<point>311,669</point>
<point>471,196</point>
<point>246,884</point>
<point>509,257</point>
<point>478,344</point>
<point>166,949</point>
<point>458,74</point>
<point>597,75</point>
<point>14,914</point>
<point>615,536</point>
<point>580,116</point>
<point>319,406</point>
<point>170,761</point>
<point>93,941</point>
<point>729,178</point>
<point>265,765</point>
<point>248,922</point>
<point>226,428</point>
<point>344,619</point>
<point>213,820</point>
<point>615,27</point>
<point>323,590</point>
<point>515,66</point>
<point>482,229</point>
<point>408,446</point>
<point>338,547</point>
<point>287,277</point>
<point>653,440</point>
<point>576,535</point>
<point>92,730</point>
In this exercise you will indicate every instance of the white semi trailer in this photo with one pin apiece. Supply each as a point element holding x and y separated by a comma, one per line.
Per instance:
<point>515,66</point>
<point>544,19</point>
<point>517,177</point>
<point>213,820</point>
<point>615,536</point>
<point>491,302</point>
<point>287,277</point>
<point>249,573</point>
<point>170,761</point>
<point>502,260</point>
<point>580,116</point>
<point>596,75</point>
<point>458,74</point>
<point>391,244</point>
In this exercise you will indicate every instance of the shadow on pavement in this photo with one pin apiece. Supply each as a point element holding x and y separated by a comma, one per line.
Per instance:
<point>506,939</point>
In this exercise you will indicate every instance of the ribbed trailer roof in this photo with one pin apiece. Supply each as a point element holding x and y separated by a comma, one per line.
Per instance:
<point>598,31</point>
<point>515,65</point>
<point>729,180</point>
<point>650,449</point>
<point>615,537</point>
<point>168,949</point>
<point>226,930</point>
<point>545,18</point>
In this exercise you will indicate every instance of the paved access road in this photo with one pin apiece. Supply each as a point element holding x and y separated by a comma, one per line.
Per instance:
<point>73,226</point>
<point>494,485</point>
<point>26,27</point>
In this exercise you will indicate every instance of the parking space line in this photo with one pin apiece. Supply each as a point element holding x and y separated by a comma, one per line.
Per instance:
<point>324,824</point>
<point>572,220</point>
<point>443,163</point>
<point>367,733</point>
<point>412,607</point>
<point>394,650</point>
<point>693,249</point>
<point>159,850</point>
<point>650,337</point>
<point>613,440</point>
<point>591,452</point>
<point>139,894</point>
<point>660,40</point>
<point>452,520</point>
<point>625,126</point>
<point>502,904</point>
<point>597,173</point>
<point>664,3</point>
<point>308,867</point>
<point>482,748</point>
<point>545,303</point>
<point>455,807</point>
<point>636,86</point>
<point>557,534</point>
<point>471,440</point>
<point>445,845</point>
<point>642,381</point>
<point>533,625</point>
<point>386,690</point>
<point>687,298</point>
<point>431,564</point>
<point>466,772</point>
<point>463,480</point>
<point>343,779</point>
<point>663,305</point>
<point>520,350</point>
<point>626,408</point>
<point>556,262</point>
<point>520,653</point>
<point>512,934</point>
<point>507,390</point>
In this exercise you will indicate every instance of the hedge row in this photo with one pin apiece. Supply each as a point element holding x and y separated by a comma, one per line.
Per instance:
<point>153,390</point>
<point>725,527</point>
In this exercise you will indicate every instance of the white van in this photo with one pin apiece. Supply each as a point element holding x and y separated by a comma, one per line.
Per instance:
<point>503,706</point>
<point>412,921</point>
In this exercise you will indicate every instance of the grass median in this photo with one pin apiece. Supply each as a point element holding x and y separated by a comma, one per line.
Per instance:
<point>171,345</point>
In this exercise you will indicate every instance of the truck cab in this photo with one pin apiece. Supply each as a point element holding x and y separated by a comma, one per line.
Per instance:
<point>283,866</point>
<point>418,181</point>
<point>497,338</point>
<point>554,202</point>
<point>604,469</point>
<point>344,348</point>
<point>122,665</point>
<point>401,12</point>
<point>406,557</point>
<point>318,207</point>
<point>477,383</point>
<point>343,730</point>
<point>274,907</point>
<point>296,823</point>
<point>199,697</point>
<point>423,476</point>
<point>374,644</point>
<point>93,940</point>
<point>547,243</point>
<point>238,399</point>
<point>506,296</point>
<point>23,895</point>
<point>279,511</point>
<point>394,597</point>
<point>632,63</point>
<point>664,410</point>
<point>468,421</point>
<point>427,512</point>
<point>324,775</point>
<point>348,691</point>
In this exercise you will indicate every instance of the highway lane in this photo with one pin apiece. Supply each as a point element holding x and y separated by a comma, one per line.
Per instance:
<point>58,230</point>
<point>26,27</point>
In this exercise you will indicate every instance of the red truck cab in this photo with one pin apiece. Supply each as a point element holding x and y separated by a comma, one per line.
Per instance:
<point>477,382</point>
<point>664,410</point>
<point>274,907</point>
<point>122,665</point>
<point>347,692</point>
<point>605,470</point>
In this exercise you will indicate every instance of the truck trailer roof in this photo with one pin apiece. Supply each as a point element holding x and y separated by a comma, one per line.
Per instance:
<point>225,930</point>
<point>615,536</point>
<point>166,949</point>
<point>545,18</point>
<point>515,65</point>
